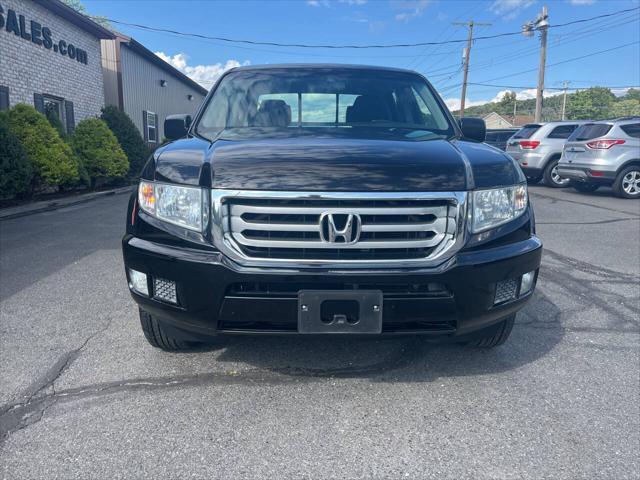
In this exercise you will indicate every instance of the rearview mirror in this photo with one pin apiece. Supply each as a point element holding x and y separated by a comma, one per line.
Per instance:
<point>473,128</point>
<point>176,126</point>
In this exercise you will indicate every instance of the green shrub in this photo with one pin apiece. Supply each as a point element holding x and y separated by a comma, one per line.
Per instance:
<point>129,138</point>
<point>53,160</point>
<point>98,150</point>
<point>16,170</point>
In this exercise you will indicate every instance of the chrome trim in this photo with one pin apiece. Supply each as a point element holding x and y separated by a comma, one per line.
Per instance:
<point>450,222</point>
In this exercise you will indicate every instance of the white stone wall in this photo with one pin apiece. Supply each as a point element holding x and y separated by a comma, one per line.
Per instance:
<point>27,68</point>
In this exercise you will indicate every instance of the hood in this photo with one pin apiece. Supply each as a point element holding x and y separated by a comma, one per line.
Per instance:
<point>335,164</point>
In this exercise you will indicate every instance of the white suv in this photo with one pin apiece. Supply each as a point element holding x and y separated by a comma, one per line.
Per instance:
<point>604,153</point>
<point>537,147</point>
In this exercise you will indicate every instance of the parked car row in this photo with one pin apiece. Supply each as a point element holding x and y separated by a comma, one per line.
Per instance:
<point>584,154</point>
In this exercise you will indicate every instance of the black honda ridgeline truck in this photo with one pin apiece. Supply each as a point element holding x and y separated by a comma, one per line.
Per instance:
<point>329,200</point>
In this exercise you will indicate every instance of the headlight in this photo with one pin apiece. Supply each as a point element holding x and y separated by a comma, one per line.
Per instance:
<point>494,207</point>
<point>184,206</point>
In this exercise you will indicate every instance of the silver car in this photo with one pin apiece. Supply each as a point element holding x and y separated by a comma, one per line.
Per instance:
<point>604,153</point>
<point>537,147</point>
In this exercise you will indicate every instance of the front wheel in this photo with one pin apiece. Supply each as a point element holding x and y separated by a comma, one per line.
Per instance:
<point>158,337</point>
<point>534,180</point>
<point>585,187</point>
<point>627,183</point>
<point>551,176</point>
<point>497,337</point>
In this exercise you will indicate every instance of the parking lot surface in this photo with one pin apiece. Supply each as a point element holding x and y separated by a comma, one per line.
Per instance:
<point>82,394</point>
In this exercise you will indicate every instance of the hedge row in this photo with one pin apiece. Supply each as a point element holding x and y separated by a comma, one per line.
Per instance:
<point>34,156</point>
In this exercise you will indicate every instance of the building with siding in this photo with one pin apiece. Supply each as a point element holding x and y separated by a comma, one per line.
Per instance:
<point>146,87</point>
<point>50,57</point>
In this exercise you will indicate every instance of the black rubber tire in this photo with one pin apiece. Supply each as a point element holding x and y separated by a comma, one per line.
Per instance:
<point>498,337</point>
<point>617,184</point>
<point>547,175</point>
<point>158,337</point>
<point>534,180</point>
<point>585,187</point>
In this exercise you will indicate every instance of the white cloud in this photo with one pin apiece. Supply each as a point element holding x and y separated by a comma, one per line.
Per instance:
<point>205,75</point>
<point>353,2</point>
<point>318,3</point>
<point>509,9</point>
<point>410,9</point>
<point>582,2</point>
<point>454,103</point>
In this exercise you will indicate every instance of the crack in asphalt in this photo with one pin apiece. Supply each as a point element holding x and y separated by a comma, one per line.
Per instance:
<point>600,222</point>
<point>555,199</point>
<point>24,414</point>
<point>20,415</point>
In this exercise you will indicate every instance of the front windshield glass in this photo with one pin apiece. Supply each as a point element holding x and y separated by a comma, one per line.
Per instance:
<point>261,102</point>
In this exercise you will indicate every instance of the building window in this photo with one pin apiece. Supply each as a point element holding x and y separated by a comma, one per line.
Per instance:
<point>150,127</point>
<point>54,110</point>
<point>4,98</point>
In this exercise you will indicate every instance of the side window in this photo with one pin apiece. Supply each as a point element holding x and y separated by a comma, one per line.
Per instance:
<point>562,131</point>
<point>633,129</point>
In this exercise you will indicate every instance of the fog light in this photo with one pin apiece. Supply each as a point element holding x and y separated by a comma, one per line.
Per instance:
<point>138,282</point>
<point>526,284</point>
<point>165,290</point>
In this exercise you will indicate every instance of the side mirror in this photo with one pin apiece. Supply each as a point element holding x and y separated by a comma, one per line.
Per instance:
<point>176,126</point>
<point>473,128</point>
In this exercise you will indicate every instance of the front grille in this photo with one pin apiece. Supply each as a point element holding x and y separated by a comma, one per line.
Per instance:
<point>293,229</point>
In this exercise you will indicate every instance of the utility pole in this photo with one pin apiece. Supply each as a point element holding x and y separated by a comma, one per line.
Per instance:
<point>465,57</point>
<point>565,84</point>
<point>515,106</point>
<point>541,24</point>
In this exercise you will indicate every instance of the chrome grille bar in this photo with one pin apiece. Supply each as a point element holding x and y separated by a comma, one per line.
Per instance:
<point>262,228</point>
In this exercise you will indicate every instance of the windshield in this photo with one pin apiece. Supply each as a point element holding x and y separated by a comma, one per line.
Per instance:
<point>266,102</point>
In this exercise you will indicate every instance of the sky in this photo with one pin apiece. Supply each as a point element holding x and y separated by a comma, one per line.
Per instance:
<point>499,64</point>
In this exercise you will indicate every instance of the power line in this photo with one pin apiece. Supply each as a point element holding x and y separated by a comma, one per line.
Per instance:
<point>566,61</point>
<point>397,45</point>
<point>548,88</point>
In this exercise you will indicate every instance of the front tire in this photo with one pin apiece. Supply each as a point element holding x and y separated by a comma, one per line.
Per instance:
<point>585,187</point>
<point>551,177</point>
<point>498,337</point>
<point>627,183</point>
<point>158,337</point>
<point>534,180</point>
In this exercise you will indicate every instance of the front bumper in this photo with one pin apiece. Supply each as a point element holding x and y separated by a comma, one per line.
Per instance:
<point>217,296</point>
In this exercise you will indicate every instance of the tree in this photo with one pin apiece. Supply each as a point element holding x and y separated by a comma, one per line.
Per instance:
<point>632,94</point>
<point>505,105</point>
<point>98,150</point>
<point>53,160</point>
<point>625,108</point>
<point>80,8</point>
<point>128,136</point>
<point>591,104</point>
<point>16,170</point>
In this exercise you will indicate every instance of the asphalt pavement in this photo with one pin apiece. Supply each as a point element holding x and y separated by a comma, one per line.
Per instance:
<point>82,395</point>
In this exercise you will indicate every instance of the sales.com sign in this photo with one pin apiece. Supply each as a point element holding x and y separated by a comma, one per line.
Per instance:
<point>40,35</point>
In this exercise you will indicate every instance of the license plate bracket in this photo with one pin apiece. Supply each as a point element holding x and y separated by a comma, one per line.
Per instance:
<point>340,312</point>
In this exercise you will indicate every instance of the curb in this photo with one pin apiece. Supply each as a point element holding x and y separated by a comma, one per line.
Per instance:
<point>46,206</point>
